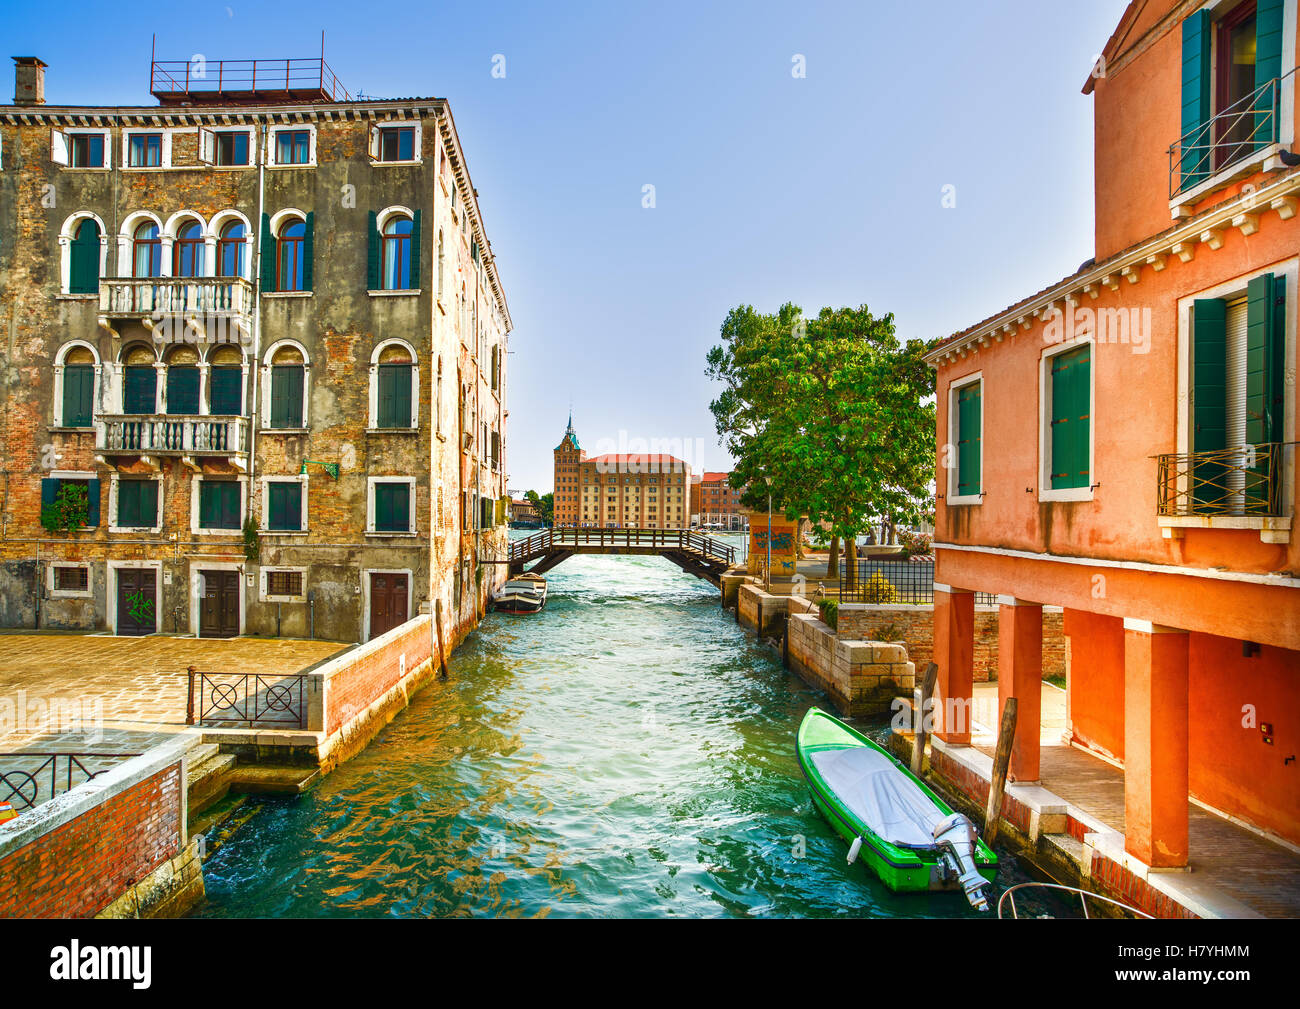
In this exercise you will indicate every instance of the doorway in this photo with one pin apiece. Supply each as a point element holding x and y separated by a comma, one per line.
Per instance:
<point>219,607</point>
<point>137,601</point>
<point>389,595</point>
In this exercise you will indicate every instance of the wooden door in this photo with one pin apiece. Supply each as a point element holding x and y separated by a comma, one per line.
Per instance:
<point>388,600</point>
<point>137,601</point>
<point>219,610</point>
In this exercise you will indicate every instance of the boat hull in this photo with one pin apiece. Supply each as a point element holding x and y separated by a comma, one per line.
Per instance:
<point>903,870</point>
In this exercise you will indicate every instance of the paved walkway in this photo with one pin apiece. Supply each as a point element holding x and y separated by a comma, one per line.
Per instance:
<point>1224,856</point>
<point>107,694</point>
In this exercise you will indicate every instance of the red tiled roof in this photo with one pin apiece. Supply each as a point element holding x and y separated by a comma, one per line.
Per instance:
<point>631,459</point>
<point>715,477</point>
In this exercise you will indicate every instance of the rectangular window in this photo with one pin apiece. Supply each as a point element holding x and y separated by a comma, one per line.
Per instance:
<point>78,395</point>
<point>230,149</point>
<point>1071,404</point>
<point>286,395</point>
<point>137,504</point>
<point>140,394</point>
<point>71,579</point>
<point>392,507</point>
<point>219,504</point>
<point>397,143</point>
<point>284,583</point>
<point>144,150</point>
<point>970,422</point>
<point>52,487</point>
<point>86,150</point>
<point>394,395</point>
<point>284,506</point>
<point>183,390</point>
<point>226,391</point>
<point>293,147</point>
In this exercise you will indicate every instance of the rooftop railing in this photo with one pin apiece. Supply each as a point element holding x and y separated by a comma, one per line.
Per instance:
<point>173,79</point>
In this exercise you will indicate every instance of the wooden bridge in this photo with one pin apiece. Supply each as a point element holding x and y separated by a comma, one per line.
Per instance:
<point>702,556</point>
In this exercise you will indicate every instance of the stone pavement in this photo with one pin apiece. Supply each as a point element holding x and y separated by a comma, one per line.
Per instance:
<point>107,694</point>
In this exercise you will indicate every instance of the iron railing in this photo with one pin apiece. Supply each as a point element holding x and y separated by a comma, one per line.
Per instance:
<point>174,78</point>
<point>172,434</point>
<point>23,774</point>
<point>1009,898</point>
<point>524,550</point>
<point>912,582</point>
<point>1248,125</point>
<point>127,297</point>
<point>1233,481</point>
<point>246,698</point>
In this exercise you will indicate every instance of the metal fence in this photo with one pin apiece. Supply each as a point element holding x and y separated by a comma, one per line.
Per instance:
<point>912,581</point>
<point>30,777</point>
<point>246,699</point>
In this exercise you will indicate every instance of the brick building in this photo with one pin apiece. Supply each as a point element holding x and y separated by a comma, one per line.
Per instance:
<point>258,330</point>
<point>719,505</point>
<point>619,491</point>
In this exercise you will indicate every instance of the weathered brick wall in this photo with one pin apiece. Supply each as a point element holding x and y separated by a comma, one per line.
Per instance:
<point>360,677</point>
<point>79,867</point>
<point>914,625</point>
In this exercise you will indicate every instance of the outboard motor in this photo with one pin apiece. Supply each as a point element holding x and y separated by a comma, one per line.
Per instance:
<point>956,834</point>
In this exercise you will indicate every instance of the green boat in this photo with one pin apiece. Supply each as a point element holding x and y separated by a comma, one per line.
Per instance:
<point>909,836</point>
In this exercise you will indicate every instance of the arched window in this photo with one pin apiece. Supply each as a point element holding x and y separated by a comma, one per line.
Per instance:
<point>146,251</point>
<point>396,266</point>
<point>140,381</point>
<point>78,386</point>
<point>394,386</point>
<point>187,250</point>
<point>183,381</point>
<point>226,382</point>
<point>288,382</point>
<point>289,255</point>
<point>230,249</point>
<point>83,266</point>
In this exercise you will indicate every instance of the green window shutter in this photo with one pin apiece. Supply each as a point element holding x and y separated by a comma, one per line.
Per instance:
<point>140,394</point>
<point>392,507</point>
<point>128,503</point>
<point>286,395</point>
<point>308,243</point>
<point>383,508</point>
<point>968,439</point>
<point>401,395</point>
<point>226,390</point>
<point>292,505</point>
<point>92,503</point>
<point>149,503</point>
<point>183,390</point>
<point>1071,423</point>
<point>207,505</point>
<point>1209,396</point>
<point>284,506</point>
<point>49,491</point>
<point>268,252</point>
<point>1196,141</point>
<point>372,252</point>
<point>1268,67</point>
<point>78,395</point>
<point>1259,356</point>
<point>83,275</point>
<point>229,505</point>
<point>415,251</point>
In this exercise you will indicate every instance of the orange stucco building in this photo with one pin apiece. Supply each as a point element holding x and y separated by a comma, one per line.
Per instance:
<point>1122,443</point>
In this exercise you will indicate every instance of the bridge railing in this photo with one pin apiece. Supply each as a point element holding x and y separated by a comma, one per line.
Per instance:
<point>547,540</point>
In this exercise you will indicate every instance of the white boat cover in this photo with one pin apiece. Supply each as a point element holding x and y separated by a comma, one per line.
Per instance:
<point>884,798</point>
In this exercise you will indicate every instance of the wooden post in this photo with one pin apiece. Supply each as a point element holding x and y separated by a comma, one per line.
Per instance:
<point>1001,761</point>
<point>921,700</point>
<point>437,622</point>
<point>189,704</point>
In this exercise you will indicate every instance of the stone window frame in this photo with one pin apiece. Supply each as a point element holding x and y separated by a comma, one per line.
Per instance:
<point>264,408</point>
<point>113,480</point>
<point>302,479</point>
<point>165,154</point>
<point>263,581</point>
<point>67,132</point>
<point>951,497</point>
<point>272,142</point>
<point>1045,489</point>
<point>373,141</point>
<point>59,359</point>
<point>66,234</point>
<point>372,420</point>
<point>251,132</point>
<point>196,482</point>
<point>412,514</point>
<point>219,220</point>
<point>87,593</point>
<point>126,236</point>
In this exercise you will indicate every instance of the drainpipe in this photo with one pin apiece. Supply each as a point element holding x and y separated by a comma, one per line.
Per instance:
<point>254,410</point>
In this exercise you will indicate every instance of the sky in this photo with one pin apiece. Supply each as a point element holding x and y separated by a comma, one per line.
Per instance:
<point>824,188</point>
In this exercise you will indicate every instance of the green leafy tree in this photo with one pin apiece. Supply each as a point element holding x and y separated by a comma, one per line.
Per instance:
<point>544,503</point>
<point>69,510</point>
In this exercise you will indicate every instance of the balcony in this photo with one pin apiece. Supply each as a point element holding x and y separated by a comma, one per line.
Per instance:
<point>1236,488</point>
<point>167,434</point>
<point>1231,144</point>
<point>146,297</point>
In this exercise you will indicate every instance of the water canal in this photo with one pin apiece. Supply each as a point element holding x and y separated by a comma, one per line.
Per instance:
<point>627,752</point>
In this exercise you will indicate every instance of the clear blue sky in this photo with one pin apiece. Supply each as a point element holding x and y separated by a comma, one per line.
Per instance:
<point>824,190</point>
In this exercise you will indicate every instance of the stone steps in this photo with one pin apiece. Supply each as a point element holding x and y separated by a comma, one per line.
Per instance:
<point>207,778</point>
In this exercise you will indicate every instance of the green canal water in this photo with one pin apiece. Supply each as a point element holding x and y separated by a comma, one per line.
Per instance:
<point>627,752</point>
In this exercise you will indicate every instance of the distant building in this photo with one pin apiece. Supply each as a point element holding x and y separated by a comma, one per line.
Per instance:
<point>524,514</point>
<point>720,502</point>
<point>622,491</point>
<point>696,479</point>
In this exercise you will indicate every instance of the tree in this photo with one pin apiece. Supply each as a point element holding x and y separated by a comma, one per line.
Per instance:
<point>544,503</point>
<point>833,411</point>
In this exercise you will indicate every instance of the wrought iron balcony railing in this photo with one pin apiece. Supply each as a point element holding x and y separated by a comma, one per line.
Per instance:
<point>1250,124</point>
<point>1230,482</point>
<point>171,434</point>
<point>142,297</point>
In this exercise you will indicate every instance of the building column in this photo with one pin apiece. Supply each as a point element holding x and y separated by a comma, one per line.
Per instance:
<point>1020,675</point>
<point>954,653</point>
<point>1155,744</point>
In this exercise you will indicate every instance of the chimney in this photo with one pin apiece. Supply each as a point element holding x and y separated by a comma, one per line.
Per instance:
<point>29,81</point>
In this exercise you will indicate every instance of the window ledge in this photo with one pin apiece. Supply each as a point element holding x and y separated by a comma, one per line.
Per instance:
<point>85,168</point>
<point>406,163</point>
<point>282,430</point>
<point>1272,529</point>
<point>305,164</point>
<point>232,533</point>
<point>69,594</point>
<point>71,430</point>
<point>392,430</point>
<point>65,296</point>
<point>964,499</point>
<point>1181,204</point>
<point>1074,494</point>
<point>286,294</point>
<point>390,536</point>
<point>412,292</point>
<point>155,530</point>
<point>282,532</point>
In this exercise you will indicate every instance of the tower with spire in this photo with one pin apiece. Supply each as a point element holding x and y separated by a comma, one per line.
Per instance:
<point>569,457</point>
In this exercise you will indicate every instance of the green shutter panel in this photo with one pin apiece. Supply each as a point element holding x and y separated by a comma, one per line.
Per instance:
<point>968,440</point>
<point>92,503</point>
<point>205,506</point>
<point>307,246</point>
<point>1060,463</point>
<point>373,280</point>
<point>402,396</point>
<point>401,507</point>
<point>415,252</point>
<point>383,508</point>
<point>293,505</point>
<point>1082,418</point>
<point>268,253</point>
<point>274,507</point>
<point>1277,362</point>
<point>149,503</point>
<point>385,395</point>
<point>1268,67</point>
<point>296,373</point>
<point>49,491</point>
<point>1209,395</point>
<point>1196,140</point>
<point>279,399</point>
<point>126,503</point>
<point>1259,339</point>
<point>183,391</point>
<point>225,390</point>
<point>83,276</point>
<point>78,395</point>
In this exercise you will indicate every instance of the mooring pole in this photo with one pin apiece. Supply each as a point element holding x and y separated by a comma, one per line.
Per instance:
<point>1001,762</point>
<point>437,622</point>
<point>921,702</point>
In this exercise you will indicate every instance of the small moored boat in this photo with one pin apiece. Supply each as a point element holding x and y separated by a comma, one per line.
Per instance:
<point>907,834</point>
<point>521,594</point>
